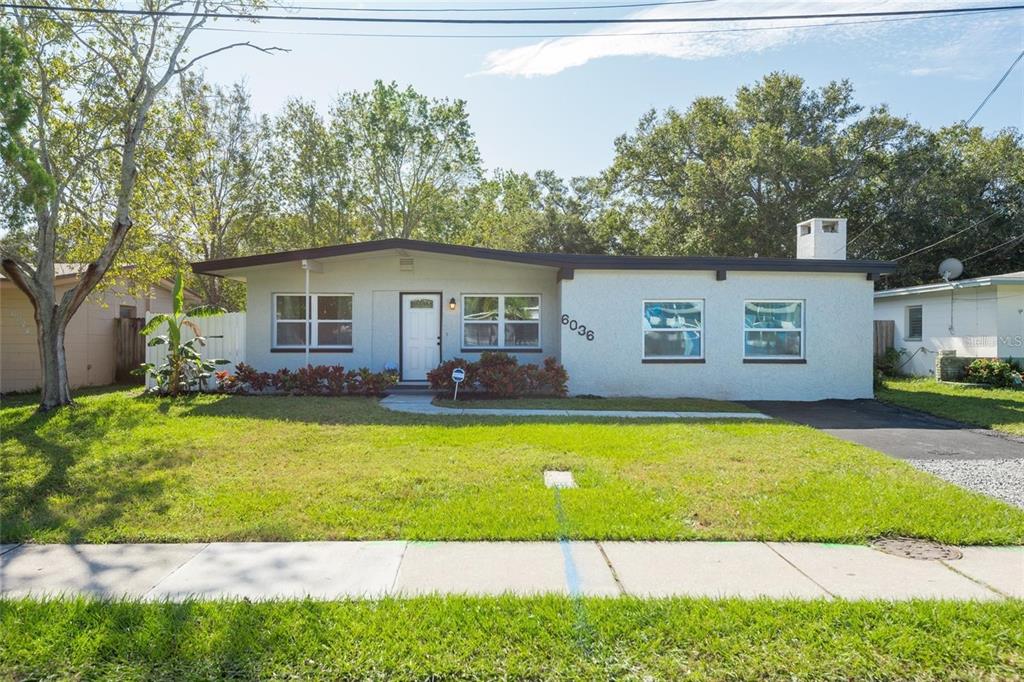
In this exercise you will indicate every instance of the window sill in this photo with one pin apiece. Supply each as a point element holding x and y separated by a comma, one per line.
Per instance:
<point>672,361</point>
<point>311,350</point>
<point>916,339</point>
<point>502,350</point>
<point>774,361</point>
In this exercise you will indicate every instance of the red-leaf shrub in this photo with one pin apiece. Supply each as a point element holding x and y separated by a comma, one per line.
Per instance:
<point>501,375</point>
<point>312,380</point>
<point>253,379</point>
<point>440,377</point>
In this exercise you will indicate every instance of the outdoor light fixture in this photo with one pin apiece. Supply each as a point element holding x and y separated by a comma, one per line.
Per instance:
<point>451,303</point>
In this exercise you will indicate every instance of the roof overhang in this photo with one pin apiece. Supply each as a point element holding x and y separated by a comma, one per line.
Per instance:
<point>946,286</point>
<point>566,264</point>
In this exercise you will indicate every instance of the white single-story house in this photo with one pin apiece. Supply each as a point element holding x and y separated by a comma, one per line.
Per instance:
<point>89,341</point>
<point>978,318</point>
<point>730,328</point>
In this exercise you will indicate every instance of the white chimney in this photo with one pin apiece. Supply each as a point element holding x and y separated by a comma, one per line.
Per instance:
<point>821,238</point>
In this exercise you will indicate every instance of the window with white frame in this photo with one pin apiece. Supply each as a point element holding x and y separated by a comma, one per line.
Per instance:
<point>501,321</point>
<point>773,329</point>
<point>325,318</point>
<point>673,329</point>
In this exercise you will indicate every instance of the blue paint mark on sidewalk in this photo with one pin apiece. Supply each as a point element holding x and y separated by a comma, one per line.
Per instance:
<point>584,632</point>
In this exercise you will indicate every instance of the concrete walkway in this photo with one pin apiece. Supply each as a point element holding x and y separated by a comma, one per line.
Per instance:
<point>335,570</point>
<point>421,403</point>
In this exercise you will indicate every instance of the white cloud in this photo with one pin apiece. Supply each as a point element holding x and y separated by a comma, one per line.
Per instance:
<point>929,70</point>
<point>706,40</point>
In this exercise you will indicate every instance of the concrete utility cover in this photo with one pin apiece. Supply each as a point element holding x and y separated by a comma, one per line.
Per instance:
<point>559,479</point>
<point>916,548</point>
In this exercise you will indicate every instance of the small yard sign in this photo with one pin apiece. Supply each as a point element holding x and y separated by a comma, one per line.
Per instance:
<point>458,376</point>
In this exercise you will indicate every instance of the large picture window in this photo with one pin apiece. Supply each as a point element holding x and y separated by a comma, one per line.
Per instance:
<point>501,321</point>
<point>673,330</point>
<point>325,319</point>
<point>773,330</point>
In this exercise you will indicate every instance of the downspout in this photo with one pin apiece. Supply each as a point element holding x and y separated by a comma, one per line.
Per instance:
<point>309,312</point>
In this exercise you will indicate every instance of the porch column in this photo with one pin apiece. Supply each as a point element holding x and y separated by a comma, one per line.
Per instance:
<point>309,266</point>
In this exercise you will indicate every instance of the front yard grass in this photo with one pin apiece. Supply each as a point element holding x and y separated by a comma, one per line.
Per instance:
<point>640,404</point>
<point>551,638</point>
<point>119,468</point>
<point>1001,409</point>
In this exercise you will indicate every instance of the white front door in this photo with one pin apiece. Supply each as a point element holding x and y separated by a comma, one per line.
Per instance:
<point>421,335</point>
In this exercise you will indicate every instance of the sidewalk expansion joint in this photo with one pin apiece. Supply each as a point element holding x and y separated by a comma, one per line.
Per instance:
<point>398,568</point>
<point>974,580</point>
<point>615,574</point>
<point>799,570</point>
<point>174,570</point>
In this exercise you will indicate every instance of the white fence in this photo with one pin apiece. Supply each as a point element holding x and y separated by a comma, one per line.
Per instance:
<point>225,339</point>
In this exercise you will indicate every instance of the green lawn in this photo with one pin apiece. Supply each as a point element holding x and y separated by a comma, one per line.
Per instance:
<point>119,468</point>
<point>645,404</point>
<point>547,638</point>
<point>1001,409</point>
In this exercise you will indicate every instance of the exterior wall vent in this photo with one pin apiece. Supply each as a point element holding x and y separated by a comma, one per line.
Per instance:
<point>822,239</point>
<point>405,264</point>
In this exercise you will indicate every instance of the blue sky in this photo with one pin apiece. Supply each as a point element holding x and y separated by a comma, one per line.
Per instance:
<point>559,103</point>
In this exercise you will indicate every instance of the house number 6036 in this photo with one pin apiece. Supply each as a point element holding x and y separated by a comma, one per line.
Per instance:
<point>580,329</point>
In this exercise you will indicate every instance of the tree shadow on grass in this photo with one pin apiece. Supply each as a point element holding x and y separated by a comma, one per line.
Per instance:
<point>73,504</point>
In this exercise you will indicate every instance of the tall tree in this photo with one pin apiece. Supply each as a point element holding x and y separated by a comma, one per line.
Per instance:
<point>311,180</point>
<point>24,183</point>
<point>94,80</point>
<point>414,157</point>
<point>211,188</point>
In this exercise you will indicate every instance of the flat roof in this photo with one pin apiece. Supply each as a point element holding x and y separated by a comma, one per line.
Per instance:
<point>988,280</point>
<point>562,261</point>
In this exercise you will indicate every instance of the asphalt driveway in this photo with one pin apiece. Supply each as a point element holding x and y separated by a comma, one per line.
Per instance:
<point>895,431</point>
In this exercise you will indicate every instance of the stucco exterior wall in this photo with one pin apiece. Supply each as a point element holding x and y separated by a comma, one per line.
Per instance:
<point>88,343</point>
<point>977,318</point>
<point>375,282</point>
<point>838,329</point>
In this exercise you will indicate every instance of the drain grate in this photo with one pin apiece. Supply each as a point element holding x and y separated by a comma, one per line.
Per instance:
<point>916,548</point>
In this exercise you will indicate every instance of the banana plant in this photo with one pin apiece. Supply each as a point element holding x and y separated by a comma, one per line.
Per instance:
<point>184,368</point>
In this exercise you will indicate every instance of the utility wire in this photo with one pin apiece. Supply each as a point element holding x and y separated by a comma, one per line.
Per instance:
<point>484,36</point>
<point>997,246</point>
<point>474,10</point>
<point>920,177</point>
<point>996,86</point>
<point>948,237</point>
<point>448,21</point>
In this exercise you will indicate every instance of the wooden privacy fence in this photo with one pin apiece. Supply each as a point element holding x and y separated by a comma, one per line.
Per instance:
<point>885,336</point>
<point>225,339</point>
<point>129,348</point>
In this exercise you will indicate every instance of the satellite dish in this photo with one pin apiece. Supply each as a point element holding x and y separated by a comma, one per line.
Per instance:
<point>951,268</point>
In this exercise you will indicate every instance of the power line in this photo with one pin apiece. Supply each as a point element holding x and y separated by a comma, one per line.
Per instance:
<point>475,10</point>
<point>484,36</point>
<point>948,237</point>
<point>447,21</point>
<point>996,86</point>
<point>968,121</point>
<point>997,246</point>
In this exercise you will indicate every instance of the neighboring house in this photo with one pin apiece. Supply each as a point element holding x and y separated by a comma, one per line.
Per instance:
<point>737,328</point>
<point>89,340</point>
<point>981,317</point>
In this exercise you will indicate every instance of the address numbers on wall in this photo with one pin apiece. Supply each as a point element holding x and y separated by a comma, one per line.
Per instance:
<point>580,329</point>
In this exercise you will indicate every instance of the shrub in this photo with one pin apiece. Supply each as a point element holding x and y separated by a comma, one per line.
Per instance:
<point>993,373</point>
<point>501,375</point>
<point>891,362</point>
<point>440,377</point>
<point>309,380</point>
<point>364,382</point>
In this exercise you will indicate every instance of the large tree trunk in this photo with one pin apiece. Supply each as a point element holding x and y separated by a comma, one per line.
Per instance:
<point>56,391</point>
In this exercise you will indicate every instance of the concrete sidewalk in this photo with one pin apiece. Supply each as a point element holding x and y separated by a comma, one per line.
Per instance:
<point>336,570</point>
<point>422,403</point>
